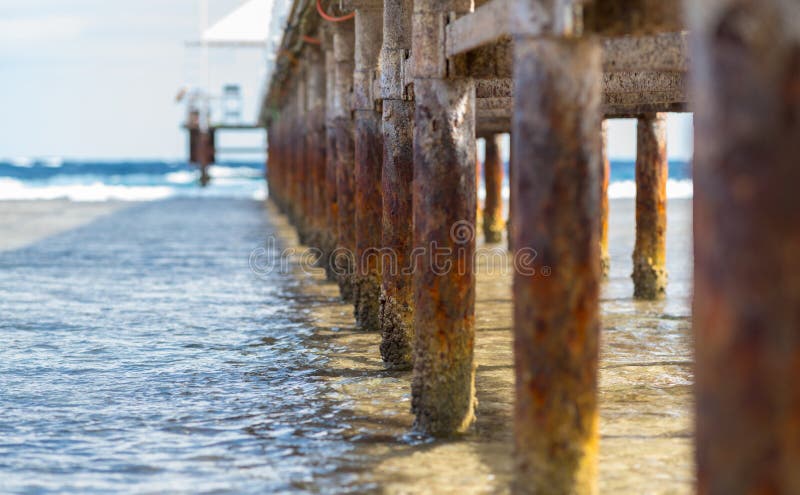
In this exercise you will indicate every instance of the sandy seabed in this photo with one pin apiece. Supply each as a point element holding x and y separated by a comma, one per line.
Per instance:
<point>25,222</point>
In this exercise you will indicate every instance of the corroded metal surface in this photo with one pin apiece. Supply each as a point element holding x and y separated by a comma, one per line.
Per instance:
<point>443,383</point>
<point>747,239</point>
<point>493,222</point>
<point>331,225</point>
<point>443,387</point>
<point>397,296</point>
<point>300,162</point>
<point>605,176</point>
<point>398,172</point>
<point>556,153</point>
<point>369,158</point>
<point>369,217</point>
<point>649,255</point>
<point>315,147</point>
<point>343,47</point>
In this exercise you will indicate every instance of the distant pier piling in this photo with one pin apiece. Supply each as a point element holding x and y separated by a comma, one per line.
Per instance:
<point>344,259</point>
<point>300,159</point>
<point>376,166</point>
<point>202,150</point>
<point>649,255</point>
<point>605,177</point>
<point>316,192</point>
<point>369,163</point>
<point>331,232</point>
<point>493,221</point>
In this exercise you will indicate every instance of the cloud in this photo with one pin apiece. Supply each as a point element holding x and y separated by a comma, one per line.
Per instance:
<point>41,29</point>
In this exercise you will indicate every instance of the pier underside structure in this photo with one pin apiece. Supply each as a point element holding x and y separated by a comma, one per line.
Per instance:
<point>373,115</point>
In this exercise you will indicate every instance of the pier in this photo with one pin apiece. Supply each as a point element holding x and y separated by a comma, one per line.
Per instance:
<point>373,114</point>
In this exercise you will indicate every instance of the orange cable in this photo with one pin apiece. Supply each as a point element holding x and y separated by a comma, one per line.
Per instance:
<point>332,18</point>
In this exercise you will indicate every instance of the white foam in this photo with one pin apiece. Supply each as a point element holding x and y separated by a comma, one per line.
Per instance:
<point>220,171</point>
<point>22,161</point>
<point>626,189</point>
<point>53,162</point>
<point>181,177</point>
<point>11,189</point>
<point>260,194</point>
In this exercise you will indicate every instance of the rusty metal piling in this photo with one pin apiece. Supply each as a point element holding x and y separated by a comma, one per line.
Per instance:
<point>344,256</point>
<point>605,177</point>
<point>649,255</point>
<point>397,296</point>
<point>746,319</point>
<point>493,222</point>
<point>443,383</point>
<point>369,159</point>
<point>315,134</point>
<point>556,153</point>
<point>331,231</point>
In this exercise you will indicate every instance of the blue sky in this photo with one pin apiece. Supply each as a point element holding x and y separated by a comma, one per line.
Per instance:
<point>97,79</point>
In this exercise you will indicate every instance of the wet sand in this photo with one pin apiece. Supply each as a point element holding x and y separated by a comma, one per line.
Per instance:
<point>25,222</point>
<point>645,383</point>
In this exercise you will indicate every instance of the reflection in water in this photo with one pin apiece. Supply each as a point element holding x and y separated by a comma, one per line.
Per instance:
<point>141,354</point>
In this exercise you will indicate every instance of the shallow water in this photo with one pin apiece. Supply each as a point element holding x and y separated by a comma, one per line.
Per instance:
<point>140,353</point>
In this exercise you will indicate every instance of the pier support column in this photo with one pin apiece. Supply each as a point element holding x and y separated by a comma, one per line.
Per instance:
<point>204,152</point>
<point>443,385</point>
<point>369,161</point>
<point>605,177</point>
<point>556,153</point>
<point>397,297</point>
<point>282,189</point>
<point>746,321</point>
<point>315,135</point>
<point>510,221</point>
<point>344,256</point>
<point>493,223</point>
<point>649,255</point>
<point>331,231</point>
<point>299,158</point>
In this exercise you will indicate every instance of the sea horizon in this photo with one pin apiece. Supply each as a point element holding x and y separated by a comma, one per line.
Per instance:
<point>123,179</point>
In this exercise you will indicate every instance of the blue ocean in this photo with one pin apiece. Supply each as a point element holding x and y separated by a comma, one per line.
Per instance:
<point>137,180</point>
<point>126,180</point>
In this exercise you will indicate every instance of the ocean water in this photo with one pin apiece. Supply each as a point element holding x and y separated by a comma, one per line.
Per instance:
<point>141,354</point>
<point>153,180</point>
<point>97,180</point>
